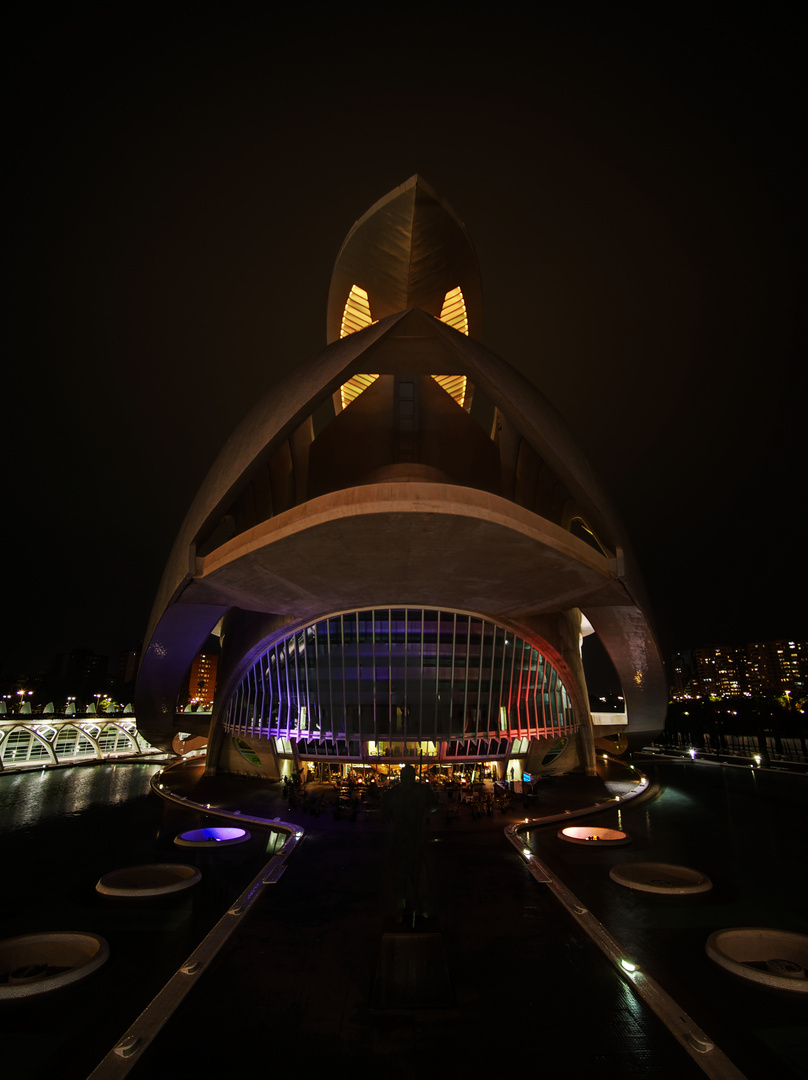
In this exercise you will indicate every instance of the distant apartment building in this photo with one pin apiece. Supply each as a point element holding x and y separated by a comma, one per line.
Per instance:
<point>757,669</point>
<point>783,665</point>
<point>684,673</point>
<point>719,670</point>
<point>202,681</point>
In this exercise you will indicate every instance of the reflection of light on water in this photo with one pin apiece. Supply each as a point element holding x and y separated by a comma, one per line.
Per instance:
<point>671,807</point>
<point>631,1003</point>
<point>120,784</point>
<point>620,820</point>
<point>78,794</point>
<point>677,799</point>
<point>26,799</point>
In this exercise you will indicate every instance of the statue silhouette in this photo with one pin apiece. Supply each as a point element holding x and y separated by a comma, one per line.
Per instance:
<point>406,807</point>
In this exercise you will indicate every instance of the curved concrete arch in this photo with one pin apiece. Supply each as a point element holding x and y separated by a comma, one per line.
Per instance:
<point>29,728</point>
<point>79,729</point>
<point>131,739</point>
<point>134,743</point>
<point>99,753</point>
<point>351,544</point>
<point>174,642</point>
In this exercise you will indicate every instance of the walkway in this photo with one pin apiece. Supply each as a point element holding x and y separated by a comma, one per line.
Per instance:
<point>501,978</point>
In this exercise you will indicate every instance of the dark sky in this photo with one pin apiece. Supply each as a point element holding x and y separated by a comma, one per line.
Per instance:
<point>181,187</point>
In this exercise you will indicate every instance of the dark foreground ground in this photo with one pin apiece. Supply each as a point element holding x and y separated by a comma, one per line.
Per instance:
<point>497,978</point>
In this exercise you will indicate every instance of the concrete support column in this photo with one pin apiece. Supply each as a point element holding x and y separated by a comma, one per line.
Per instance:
<point>242,638</point>
<point>571,653</point>
<point>561,631</point>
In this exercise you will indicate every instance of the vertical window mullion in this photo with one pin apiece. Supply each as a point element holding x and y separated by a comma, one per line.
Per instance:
<point>502,684</point>
<point>330,677</point>
<point>452,676</point>
<point>275,675</point>
<point>254,702</point>
<point>317,683</point>
<point>373,658</point>
<point>509,654</point>
<point>466,676</point>
<point>490,670</point>
<point>391,727</point>
<point>436,710</point>
<point>420,684</point>
<point>307,691</point>
<point>546,677</point>
<point>344,681</point>
<point>538,691</point>
<point>519,689</point>
<point>250,710</point>
<point>283,701</point>
<point>296,681</point>
<point>480,661</point>
<point>270,693</point>
<point>358,685</point>
<point>259,675</point>
<point>405,703</point>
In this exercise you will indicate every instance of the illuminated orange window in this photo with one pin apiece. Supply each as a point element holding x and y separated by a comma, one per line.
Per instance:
<point>356,315</point>
<point>351,390</point>
<point>454,385</point>
<point>453,312</point>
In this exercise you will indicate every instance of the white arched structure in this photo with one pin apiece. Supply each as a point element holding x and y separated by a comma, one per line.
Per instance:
<point>52,740</point>
<point>404,496</point>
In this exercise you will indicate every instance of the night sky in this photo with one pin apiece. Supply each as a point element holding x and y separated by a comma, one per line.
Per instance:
<point>181,186</point>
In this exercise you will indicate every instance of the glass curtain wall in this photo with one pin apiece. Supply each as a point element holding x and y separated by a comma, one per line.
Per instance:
<point>398,674</point>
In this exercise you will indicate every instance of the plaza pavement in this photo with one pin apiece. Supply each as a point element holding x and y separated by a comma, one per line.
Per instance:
<point>320,975</point>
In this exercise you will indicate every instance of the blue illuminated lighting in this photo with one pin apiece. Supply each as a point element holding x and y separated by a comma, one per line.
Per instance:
<point>215,833</point>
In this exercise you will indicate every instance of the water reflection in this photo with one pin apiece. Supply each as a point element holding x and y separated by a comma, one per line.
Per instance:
<point>29,799</point>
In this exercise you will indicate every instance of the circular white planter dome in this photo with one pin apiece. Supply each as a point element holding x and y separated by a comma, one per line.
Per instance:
<point>36,964</point>
<point>654,877</point>
<point>154,879</point>
<point>593,836</point>
<point>775,958</point>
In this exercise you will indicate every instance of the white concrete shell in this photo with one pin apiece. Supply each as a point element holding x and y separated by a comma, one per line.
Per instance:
<point>306,513</point>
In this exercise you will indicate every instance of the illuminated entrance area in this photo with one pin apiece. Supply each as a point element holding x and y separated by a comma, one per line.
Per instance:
<point>381,772</point>
<point>392,685</point>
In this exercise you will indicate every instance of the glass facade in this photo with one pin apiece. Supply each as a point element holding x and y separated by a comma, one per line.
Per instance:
<point>359,684</point>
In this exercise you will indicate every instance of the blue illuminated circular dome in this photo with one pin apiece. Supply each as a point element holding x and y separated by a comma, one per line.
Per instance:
<point>212,836</point>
